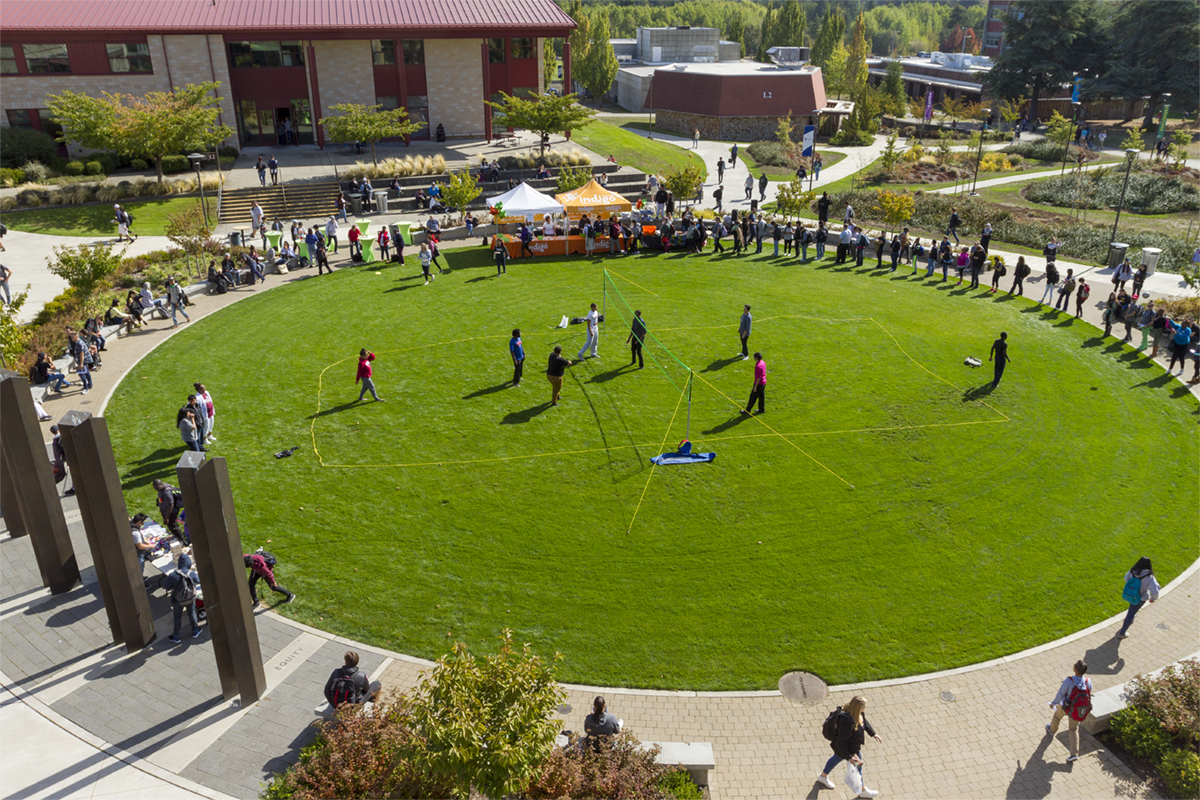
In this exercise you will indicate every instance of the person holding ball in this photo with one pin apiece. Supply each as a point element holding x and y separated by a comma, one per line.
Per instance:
<point>365,357</point>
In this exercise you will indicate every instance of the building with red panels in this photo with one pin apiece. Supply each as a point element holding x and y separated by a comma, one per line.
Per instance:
<point>281,64</point>
<point>993,27</point>
<point>742,100</point>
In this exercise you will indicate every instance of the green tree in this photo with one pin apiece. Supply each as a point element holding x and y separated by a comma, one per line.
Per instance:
<point>187,231</point>
<point>1059,130</point>
<point>549,65</point>
<point>894,208</point>
<point>890,156</point>
<point>542,115</point>
<point>783,132</point>
<point>1010,110</point>
<point>856,59</point>
<point>833,31</point>
<point>1044,44</point>
<point>895,99</point>
<point>791,198</point>
<point>14,335</point>
<point>1133,141</point>
<point>1178,149</point>
<point>572,178</point>
<point>735,30</point>
<point>789,31</point>
<point>362,123</point>
<point>486,723</point>
<point>682,183</point>
<point>942,154</point>
<point>85,267</point>
<point>462,188</point>
<point>580,40</point>
<point>835,70</point>
<point>1159,48</point>
<point>152,126</point>
<point>601,69</point>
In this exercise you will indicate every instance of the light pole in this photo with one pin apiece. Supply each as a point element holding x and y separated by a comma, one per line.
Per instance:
<point>979,155</point>
<point>1130,157</point>
<point>196,158</point>
<point>812,172</point>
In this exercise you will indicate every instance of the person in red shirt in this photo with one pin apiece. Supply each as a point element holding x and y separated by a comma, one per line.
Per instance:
<point>760,386</point>
<point>353,235</point>
<point>365,357</point>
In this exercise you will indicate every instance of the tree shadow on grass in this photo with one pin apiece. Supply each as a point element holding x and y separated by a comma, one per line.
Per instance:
<point>729,423</point>
<point>722,363</point>
<point>500,387</point>
<point>525,415</point>
<point>335,409</point>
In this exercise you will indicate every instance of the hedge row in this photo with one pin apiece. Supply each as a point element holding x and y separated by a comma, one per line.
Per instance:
<point>1148,193</point>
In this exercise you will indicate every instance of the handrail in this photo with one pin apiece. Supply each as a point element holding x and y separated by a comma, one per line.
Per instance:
<point>220,191</point>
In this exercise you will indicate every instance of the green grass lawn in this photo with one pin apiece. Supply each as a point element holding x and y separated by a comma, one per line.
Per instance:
<point>633,150</point>
<point>96,219</point>
<point>889,515</point>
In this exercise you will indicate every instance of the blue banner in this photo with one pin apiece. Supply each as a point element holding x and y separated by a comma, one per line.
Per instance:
<point>1075,90</point>
<point>810,134</point>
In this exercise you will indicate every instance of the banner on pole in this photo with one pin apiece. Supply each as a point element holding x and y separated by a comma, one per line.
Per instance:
<point>929,106</point>
<point>1075,90</point>
<point>1162,120</point>
<point>810,134</point>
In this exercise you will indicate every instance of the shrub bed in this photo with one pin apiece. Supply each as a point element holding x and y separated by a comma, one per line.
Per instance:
<point>1161,727</point>
<point>1046,150</point>
<point>38,195</point>
<point>1148,193</point>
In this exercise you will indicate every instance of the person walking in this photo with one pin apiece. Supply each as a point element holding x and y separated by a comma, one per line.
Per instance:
<point>1074,701</point>
<point>733,151</point>
<point>1000,354</point>
<point>170,503</point>
<point>181,588</point>
<point>516,349</point>
<point>718,195</point>
<point>365,371</point>
<point>823,207</point>
<point>721,170</point>
<point>331,234</point>
<point>1020,273</point>
<point>955,221</point>
<point>5,275</point>
<point>79,350</point>
<point>554,373</point>
<point>176,301</point>
<point>744,326</point>
<point>349,684</point>
<point>759,390</point>
<point>261,166</point>
<point>636,338</point>
<point>850,728</point>
<point>749,185</point>
<point>261,569</point>
<point>762,187</point>
<point>817,163</point>
<point>593,334</point>
<point>695,138</point>
<point>1065,291</point>
<point>426,257</point>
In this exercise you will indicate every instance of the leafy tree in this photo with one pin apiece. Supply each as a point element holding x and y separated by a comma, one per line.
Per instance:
<point>1044,44</point>
<point>1133,141</point>
<point>542,115</point>
<point>14,335</point>
<point>188,231</point>
<point>601,63</point>
<point>1178,148</point>
<point>942,154</point>
<point>789,31</point>
<point>735,30</point>
<point>1159,48</point>
<point>362,123</point>
<point>856,59</point>
<point>1059,130</point>
<point>792,197</point>
<point>1010,110</point>
<point>835,70</point>
<point>85,267</point>
<point>894,98</point>
<point>156,125</point>
<point>572,178</point>
<point>462,188</point>
<point>486,723</point>
<point>890,156</point>
<point>549,65</point>
<point>683,182</point>
<point>19,145</point>
<point>580,40</point>
<point>833,31</point>
<point>962,40</point>
<point>783,132</point>
<point>894,208</point>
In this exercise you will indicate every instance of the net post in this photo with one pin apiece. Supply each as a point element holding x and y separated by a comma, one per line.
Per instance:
<point>603,298</point>
<point>688,430</point>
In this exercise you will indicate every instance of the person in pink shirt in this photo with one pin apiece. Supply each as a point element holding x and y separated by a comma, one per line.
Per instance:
<point>760,386</point>
<point>365,357</point>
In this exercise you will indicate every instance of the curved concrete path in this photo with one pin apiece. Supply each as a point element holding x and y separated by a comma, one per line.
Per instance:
<point>159,713</point>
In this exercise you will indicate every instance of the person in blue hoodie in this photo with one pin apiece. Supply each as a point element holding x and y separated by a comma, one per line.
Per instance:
<point>517,350</point>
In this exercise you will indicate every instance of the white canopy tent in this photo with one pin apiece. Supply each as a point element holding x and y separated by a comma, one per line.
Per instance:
<point>524,203</point>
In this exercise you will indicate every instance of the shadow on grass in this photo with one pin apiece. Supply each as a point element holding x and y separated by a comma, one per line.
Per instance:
<point>500,387</point>
<point>605,377</point>
<point>729,423</point>
<point>722,363</point>
<point>521,417</point>
<point>1157,382</point>
<point>335,409</point>
<point>978,393</point>
<point>404,288</point>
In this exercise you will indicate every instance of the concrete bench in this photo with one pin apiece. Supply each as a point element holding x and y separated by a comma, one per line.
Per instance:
<point>1113,699</point>
<point>695,757</point>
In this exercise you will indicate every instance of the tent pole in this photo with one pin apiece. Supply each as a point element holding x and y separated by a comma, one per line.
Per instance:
<point>603,298</point>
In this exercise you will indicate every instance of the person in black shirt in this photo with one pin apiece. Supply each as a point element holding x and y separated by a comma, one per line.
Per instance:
<point>636,338</point>
<point>554,372</point>
<point>1000,352</point>
<point>600,723</point>
<point>349,684</point>
<point>823,207</point>
<point>952,230</point>
<point>851,729</point>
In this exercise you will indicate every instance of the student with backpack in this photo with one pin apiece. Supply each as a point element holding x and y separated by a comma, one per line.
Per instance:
<point>846,728</point>
<point>349,684</point>
<point>1020,273</point>
<point>1141,587</point>
<point>261,564</point>
<point>181,588</point>
<point>1074,701</point>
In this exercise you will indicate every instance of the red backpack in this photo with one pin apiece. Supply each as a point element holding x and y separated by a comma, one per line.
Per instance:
<point>1079,702</point>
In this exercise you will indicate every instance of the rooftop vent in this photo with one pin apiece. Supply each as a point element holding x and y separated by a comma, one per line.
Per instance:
<point>788,56</point>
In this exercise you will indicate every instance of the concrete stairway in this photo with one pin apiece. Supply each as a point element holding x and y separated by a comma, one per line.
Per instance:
<point>298,200</point>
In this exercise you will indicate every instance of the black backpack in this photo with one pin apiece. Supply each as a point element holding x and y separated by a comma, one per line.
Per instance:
<point>184,591</point>
<point>829,727</point>
<point>344,690</point>
<point>267,557</point>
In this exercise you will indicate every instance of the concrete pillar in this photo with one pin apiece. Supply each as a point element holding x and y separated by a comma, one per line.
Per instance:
<point>487,92</point>
<point>25,455</point>
<point>10,499</point>
<point>212,523</point>
<point>106,521</point>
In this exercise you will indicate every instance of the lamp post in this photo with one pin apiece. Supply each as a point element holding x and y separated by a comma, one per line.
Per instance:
<point>979,155</point>
<point>812,173</point>
<point>196,158</point>
<point>1130,157</point>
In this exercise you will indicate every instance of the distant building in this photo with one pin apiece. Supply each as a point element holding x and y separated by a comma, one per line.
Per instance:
<point>993,27</point>
<point>956,75</point>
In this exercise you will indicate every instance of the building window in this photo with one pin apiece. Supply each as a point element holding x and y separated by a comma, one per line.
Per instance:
<point>8,60</point>
<point>526,92</point>
<point>129,58</point>
<point>388,103</point>
<point>44,58</point>
<point>266,54</point>
<point>523,48</point>
<point>19,118</point>
<point>49,126</point>
<point>383,52</point>
<point>418,108</point>
<point>991,40</point>
<point>999,12</point>
<point>414,51</point>
<point>495,51</point>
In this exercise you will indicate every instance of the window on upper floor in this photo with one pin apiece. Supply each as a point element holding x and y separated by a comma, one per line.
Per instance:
<point>129,57</point>
<point>495,51</point>
<point>383,52</point>
<point>999,12</point>
<point>414,51</point>
<point>266,54</point>
<point>523,48</point>
<point>991,40</point>
<point>46,58</point>
<point>8,60</point>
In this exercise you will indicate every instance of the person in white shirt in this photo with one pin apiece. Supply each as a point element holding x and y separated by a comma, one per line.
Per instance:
<point>205,402</point>
<point>548,226</point>
<point>593,334</point>
<point>331,232</point>
<point>1062,707</point>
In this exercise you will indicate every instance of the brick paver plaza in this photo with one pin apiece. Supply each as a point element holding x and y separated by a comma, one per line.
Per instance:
<point>159,718</point>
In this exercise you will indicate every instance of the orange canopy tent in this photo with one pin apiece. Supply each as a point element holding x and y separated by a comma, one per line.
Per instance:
<point>594,200</point>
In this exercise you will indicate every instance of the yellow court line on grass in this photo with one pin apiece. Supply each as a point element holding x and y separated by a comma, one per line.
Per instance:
<point>653,465</point>
<point>622,277</point>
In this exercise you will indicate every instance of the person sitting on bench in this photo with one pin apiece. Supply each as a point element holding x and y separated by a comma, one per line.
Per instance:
<point>422,199</point>
<point>220,283</point>
<point>544,172</point>
<point>349,685</point>
<point>115,316</point>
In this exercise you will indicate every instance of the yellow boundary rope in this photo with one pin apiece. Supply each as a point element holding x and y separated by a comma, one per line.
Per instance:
<point>661,447</point>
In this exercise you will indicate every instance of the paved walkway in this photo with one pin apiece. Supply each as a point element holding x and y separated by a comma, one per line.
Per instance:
<point>120,724</point>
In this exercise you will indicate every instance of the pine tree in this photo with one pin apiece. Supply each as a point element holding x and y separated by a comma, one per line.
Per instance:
<point>856,60</point>
<point>579,40</point>
<point>735,31</point>
<point>601,63</point>
<point>833,31</point>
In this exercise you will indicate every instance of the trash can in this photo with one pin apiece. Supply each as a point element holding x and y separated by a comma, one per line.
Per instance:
<point>1116,253</point>
<point>381,201</point>
<point>356,204</point>
<point>1150,256</point>
<point>235,238</point>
